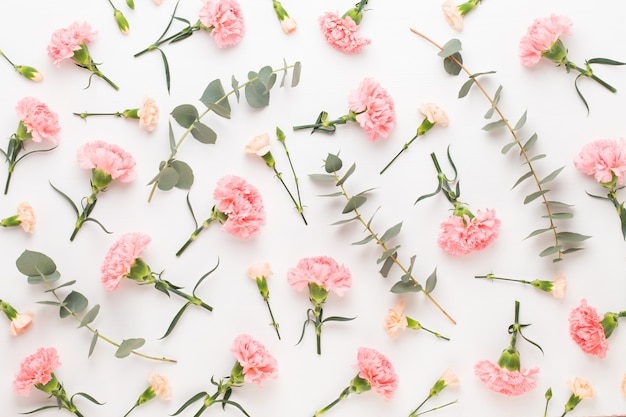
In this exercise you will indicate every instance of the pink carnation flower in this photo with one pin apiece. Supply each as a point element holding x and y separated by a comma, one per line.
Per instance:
<point>376,107</point>
<point>540,37</point>
<point>243,205</point>
<point>64,42</point>
<point>225,20</point>
<point>121,257</point>
<point>109,158</point>
<point>321,270</point>
<point>257,363</point>
<point>342,34</point>
<point>378,371</point>
<point>41,122</point>
<point>460,235</point>
<point>504,381</point>
<point>586,330</point>
<point>603,158</point>
<point>36,369</point>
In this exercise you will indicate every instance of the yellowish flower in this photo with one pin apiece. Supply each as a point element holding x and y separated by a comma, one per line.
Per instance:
<point>395,321</point>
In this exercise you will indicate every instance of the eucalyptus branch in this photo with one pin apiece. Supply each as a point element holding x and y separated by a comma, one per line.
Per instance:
<point>559,237</point>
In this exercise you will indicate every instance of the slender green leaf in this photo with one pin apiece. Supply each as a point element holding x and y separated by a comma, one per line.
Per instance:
<point>346,176</point>
<point>571,250</point>
<point>522,178</point>
<point>465,88</point>
<point>559,204</point>
<point>579,93</point>
<point>332,163</point>
<point>127,346</point>
<point>534,196</point>
<point>166,67</point>
<point>506,148</point>
<point>538,232</point>
<point>571,237</point>
<point>75,302</point>
<point>604,61</point>
<point>391,232</point>
<point>322,177</point>
<point>32,263</point>
<point>384,270</point>
<point>344,221</point>
<point>521,122</point>
<point>86,396</point>
<point>172,139</point>
<point>90,315</point>
<point>92,345</point>
<point>363,241</point>
<point>175,320</point>
<point>493,125</point>
<point>537,157</point>
<point>50,303</point>
<point>189,402</point>
<point>530,142</point>
<point>295,73</point>
<point>403,287</point>
<point>560,216</point>
<point>551,176</point>
<point>431,282</point>
<point>451,47</point>
<point>336,194</point>
<point>550,250</point>
<point>235,85</point>
<point>203,133</point>
<point>451,63</point>
<point>354,203</point>
<point>185,115</point>
<point>338,318</point>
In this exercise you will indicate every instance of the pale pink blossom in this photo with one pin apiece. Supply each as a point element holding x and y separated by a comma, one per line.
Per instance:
<point>375,108</point>
<point>581,388</point>
<point>160,385</point>
<point>109,158</point>
<point>321,270</point>
<point>602,159</point>
<point>395,321</point>
<point>288,25</point>
<point>148,114</point>
<point>587,331</point>
<point>434,114</point>
<point>20,323</point>
<point>242,203</point>
<point>449,378</point>
<point>262,269</point>
<point>27,217</point>
<point>41,122</point>
<point>121,257</point>
<point>503,381</point>
<point>157,2</point>
<point>259,145</point>
<point>462,235</point>
<point>559,285</point>
<point>225,20</point>
<point>540,36</point>
<point>622,387</point>
<point>452,14</point>
<point>36,369</point>
<point>376,369</point>
<point>64,42</point>
<point>342,34</point>
<point>257,363</point>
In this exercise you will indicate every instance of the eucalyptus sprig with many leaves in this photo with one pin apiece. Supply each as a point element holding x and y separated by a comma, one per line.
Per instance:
<point>41,269</point>
<point>174,173</point>
<point>563,242</point>
<point>389,256</point>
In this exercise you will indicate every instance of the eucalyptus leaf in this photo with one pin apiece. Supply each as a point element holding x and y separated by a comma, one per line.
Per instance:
<point>50,303</point>
<point>74,302</point>
<point>354,203</point>
<point>66,284</point>
<point>571,250</point>
<point>537,157</point>
<point>322,177</point>
<point>332,163</point>
<point>534,196</point>
<point>235,85</point>
<point>530,142</point>
<point>335,194</point>
<point>40,279</point>
<point>363,241</point>
<point>340,222</point>
<point>465,88</point>
<point>493,125</point>
<point>267,77</point>
<point>384,270</point>
<point>538,232</point>
<point>172,139</point>
<point>559,216</point>
<point>203,133</point>
<point>449,48</point>
<point>185,175</point>
<point>256,94</point>
<point>94,340</point>
<point>522,178</point>
<point>551,176</point>
<point>215,98</point>
<point>403,287</point>
<point>571,237</point>
<point>521,122</point>
<point>391,232</point>
<point>431,282</point>
<point>90,315</point>
<point>168,178</point>
<point>347,175</point>
<point>127,346</point>
<point>32,263</point>
<point>295,73</point>
<point>559,204</point>
<point>388,253</point>
<point>185,115</point>
<point>550,250</point>
<point>451,64</point>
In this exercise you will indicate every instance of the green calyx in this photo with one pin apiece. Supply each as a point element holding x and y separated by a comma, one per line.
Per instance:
<point>510,359</point>
<point>100,180</point>
<point>359,385</point>
<point>140,272</point>
<point>317,294</point>
<point>557,53</point>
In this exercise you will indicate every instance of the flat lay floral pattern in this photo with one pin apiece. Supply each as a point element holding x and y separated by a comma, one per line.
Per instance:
<point>337,271</point>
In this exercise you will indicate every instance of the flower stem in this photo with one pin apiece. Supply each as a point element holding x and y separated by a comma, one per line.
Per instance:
<point>318,313</point>
<point>274,324</point>
<point>99,73</point>
<point>587,72</point>
<point>85,115</point>
<point>298,206</point>
<point>433,409</point>
<point>91,203</point>
<point>492,277</point>
<point>192,299</point>
<point>343,395</point>
<point>393,257</point>
<point>94,331</point>
<point>523,151</point>
<point>132,408</point>
<point>414,412</point>
<point>195,234</point>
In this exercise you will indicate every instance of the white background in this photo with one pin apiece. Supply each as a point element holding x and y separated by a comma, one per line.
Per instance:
<point>409,69</point>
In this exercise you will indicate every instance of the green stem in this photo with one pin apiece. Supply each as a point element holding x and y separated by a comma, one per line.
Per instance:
<point>7,58</point>
<point>433,409</point>
<point>13,150</point>
<point>404,148</point>
<point>175,148</point>
<point>318,313</point>
<point>414,412</point>
<point>189,29</point>
<point>91,203</point>
<point>589,74</point>
<point>99,73</point>
<point>129,411</point>
<point>492,277</point>
<point>192,299</point>
<point>343,395</point>
<point>94,331</point>
<point>274,324</point>
<point>195,234</point>
<point>298,206</point>
<point>85,115</point>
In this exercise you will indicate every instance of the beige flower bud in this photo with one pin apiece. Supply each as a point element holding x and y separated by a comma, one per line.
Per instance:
<point>148,114</point>
<point>20,323</point>
<point>581,388</point>
<point>259,145</point>
<point>26,216</point>
<point>452,14</point>
<point>262,269</point>
<point>434,114</point>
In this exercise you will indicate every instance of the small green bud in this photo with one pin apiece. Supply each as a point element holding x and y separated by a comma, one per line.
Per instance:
<point>122,23</point>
